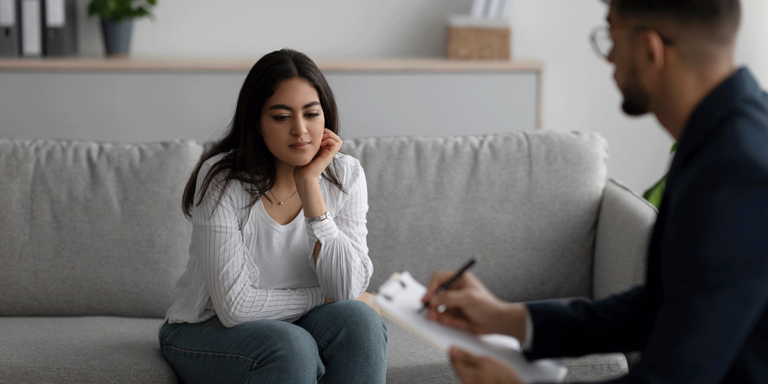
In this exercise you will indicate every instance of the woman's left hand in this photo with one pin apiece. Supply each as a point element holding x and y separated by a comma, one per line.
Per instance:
<point>329,147</point>
<point>369,299</point>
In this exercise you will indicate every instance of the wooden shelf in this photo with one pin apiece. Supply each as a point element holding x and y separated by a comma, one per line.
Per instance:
<point>161,64</point>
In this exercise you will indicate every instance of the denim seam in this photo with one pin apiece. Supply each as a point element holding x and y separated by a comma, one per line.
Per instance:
<point>253,362</point>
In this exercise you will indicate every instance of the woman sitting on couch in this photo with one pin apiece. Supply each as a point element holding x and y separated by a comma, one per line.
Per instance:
<point>278,250</point>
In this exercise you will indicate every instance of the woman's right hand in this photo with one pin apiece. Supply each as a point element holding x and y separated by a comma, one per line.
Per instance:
<point>329,147</point>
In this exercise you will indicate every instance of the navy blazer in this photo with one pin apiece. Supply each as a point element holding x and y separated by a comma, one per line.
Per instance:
<point>701,316</point>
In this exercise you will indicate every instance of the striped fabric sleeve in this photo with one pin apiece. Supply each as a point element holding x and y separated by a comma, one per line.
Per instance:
<point>343,266</point>
<point>230,274</point>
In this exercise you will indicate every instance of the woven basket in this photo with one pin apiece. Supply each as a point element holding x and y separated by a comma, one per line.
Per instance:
<point>479,43</point>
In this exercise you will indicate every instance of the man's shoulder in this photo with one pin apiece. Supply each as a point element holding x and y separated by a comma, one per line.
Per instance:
<point>741,144</point>
<point>734,157</point>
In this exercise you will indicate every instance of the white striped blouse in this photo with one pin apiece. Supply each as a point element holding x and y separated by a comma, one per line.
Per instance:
<point>244,266</point>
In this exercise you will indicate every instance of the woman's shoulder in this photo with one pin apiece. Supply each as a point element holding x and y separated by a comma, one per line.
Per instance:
<point>219,181</point>
<point>348,169</point>
<point>208,164</point>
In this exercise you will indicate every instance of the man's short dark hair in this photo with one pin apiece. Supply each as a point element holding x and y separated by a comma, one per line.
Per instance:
<point>721,15</point>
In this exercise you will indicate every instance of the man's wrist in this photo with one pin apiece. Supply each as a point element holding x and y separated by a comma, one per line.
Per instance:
<point>515,315</point>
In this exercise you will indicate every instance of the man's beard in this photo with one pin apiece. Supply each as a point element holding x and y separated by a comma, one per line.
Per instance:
<point>635,99</point>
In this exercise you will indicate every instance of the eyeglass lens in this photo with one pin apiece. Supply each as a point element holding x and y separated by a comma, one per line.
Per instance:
<point>603,42</point>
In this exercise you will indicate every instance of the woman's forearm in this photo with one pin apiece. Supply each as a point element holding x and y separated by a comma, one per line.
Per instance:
<point>313,205</point>
<point>343,270</point>
<point>311,198</point>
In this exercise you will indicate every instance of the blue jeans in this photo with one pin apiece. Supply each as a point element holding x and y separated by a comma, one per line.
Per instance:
<point>341,342</point>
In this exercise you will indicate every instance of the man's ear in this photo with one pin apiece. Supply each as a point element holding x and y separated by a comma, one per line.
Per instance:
<point>655,50</point>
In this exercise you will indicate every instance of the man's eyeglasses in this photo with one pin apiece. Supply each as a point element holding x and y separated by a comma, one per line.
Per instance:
<point>602,41</point>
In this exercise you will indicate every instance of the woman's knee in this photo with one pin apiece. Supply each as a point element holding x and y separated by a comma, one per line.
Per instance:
<point>283,351</point>
<point>279,339</point>
<point>361,320</point>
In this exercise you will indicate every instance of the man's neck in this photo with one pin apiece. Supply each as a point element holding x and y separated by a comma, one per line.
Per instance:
<point>685,91</point>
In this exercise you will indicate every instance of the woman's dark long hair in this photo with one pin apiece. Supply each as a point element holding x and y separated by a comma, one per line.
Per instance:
<point>247,159</point>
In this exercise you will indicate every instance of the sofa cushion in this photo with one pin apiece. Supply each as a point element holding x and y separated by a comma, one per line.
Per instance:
<point>82,350</point>
<point>525,202</point>
<point>92,228</point>
<point>597,367</point>
<point>412,360</point>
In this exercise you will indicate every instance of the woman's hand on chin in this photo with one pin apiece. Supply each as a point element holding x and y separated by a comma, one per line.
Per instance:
<point>329,147</point>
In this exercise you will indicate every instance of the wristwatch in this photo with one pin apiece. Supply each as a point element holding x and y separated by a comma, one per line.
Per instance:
<point>326,215</point>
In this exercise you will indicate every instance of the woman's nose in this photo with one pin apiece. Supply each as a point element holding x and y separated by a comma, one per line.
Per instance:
<point>299,127</point>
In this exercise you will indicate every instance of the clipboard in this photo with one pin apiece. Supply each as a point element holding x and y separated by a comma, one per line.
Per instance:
<point>399,299</point>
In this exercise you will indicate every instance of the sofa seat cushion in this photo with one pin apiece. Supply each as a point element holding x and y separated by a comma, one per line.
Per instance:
<point>597,367</point>
<point>126,350</point>
<point>82,350</point>
<point>412,360</point>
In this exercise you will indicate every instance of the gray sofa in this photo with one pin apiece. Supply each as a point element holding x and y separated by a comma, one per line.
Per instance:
<point>92,240</point>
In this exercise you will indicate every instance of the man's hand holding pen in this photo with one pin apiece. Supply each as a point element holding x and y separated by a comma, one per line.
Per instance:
<point>467,304</point>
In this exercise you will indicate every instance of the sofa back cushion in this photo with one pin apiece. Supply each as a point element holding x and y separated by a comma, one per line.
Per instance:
<point>92,228</point>
<point>526,203</point>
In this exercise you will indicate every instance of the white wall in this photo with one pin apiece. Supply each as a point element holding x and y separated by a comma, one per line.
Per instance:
<point>365,28</point>
<point>579,93</point>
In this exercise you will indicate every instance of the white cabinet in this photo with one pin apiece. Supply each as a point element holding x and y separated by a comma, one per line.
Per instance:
<point>148,100</point>
<point>430,103</point>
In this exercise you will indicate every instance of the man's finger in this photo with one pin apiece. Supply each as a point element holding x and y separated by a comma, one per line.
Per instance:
<point>459,355</point>
<point>453,321</point>
<point>451,299</point>
<point>435,282</point>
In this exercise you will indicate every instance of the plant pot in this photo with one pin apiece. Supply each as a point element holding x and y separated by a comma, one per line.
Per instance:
<point>117,37</point>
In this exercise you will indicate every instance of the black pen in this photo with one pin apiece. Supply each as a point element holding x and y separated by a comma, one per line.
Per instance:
<point>450,282</point>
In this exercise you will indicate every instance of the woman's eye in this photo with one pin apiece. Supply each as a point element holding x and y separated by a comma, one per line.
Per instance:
<point>280,118</point>
<point>312,115</point>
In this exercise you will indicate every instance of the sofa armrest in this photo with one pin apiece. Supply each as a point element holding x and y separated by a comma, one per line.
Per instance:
<point>624,229</point>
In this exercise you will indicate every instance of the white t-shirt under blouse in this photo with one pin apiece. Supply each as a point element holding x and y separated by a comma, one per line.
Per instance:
<point>244,266</point>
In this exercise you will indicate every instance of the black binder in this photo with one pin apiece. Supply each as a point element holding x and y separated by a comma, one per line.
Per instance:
<point>60,27</point>
<point>9,28</point>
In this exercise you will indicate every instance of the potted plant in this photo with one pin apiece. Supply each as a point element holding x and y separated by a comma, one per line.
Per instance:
<point>117,21</point>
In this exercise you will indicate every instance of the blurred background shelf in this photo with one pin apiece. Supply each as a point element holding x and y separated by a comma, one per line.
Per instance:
<point>153,98</point>
<point>176,64</point>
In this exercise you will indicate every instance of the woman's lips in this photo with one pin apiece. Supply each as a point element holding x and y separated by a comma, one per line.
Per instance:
<point>301,145</point>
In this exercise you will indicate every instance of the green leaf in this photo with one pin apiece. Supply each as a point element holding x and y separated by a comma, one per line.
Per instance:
<point>117,10</point>
<point>655,193</point>
<point>141,11</point>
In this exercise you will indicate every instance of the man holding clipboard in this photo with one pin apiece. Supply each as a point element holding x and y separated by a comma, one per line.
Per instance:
<point>702,315</point>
